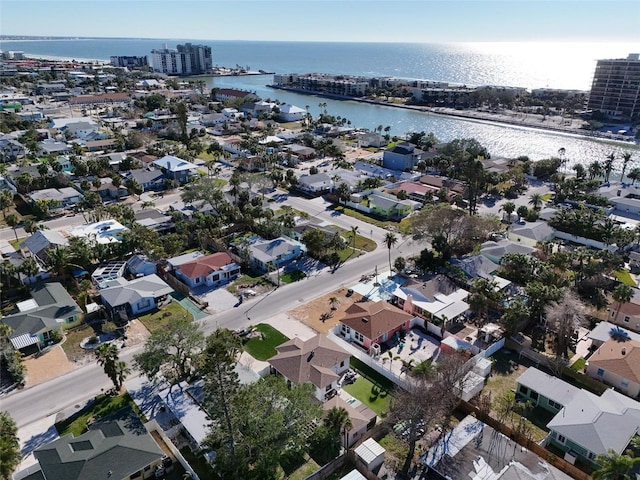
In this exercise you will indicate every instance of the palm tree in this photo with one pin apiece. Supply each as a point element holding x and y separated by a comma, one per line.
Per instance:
<point>29,268</point>
<point>508,208</point>
<point>621,294</point>
<point>339,422</point>
<point>634,175</point>
<point>595,170</point>
<point>613,466</point>
<point>12,221</point>
<point>608,166</point>
<point>626,156</point>
<point>390,240</point>
<point>6,200</point>
<point>333,301</point>
<point>536,200</point>
<point>115,369</point>
<point>354,232</point>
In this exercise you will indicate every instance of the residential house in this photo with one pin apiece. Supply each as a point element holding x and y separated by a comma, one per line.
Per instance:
<point>376,171</point>
<point>470,451</point>
<point>362,417</point>
<point>154,220</point>
<point>149,179</point>
<point>479,266</point>
<point>55,147</point>
<point>627,315</point>
<point>116,447</point>
<point>38,244</point>
<point>589,425</point>
<point>318,361</point>
<point>371,139</point>
<point>316,184</point>
<point>617,363</point>
<point>544,390</point>
<point>65,163</point>
<point>264,255</point>
<point>60,197</point>
<point>134,297</point>
<point>454,187</point>
<point>436,298</point>
<point>383,205</point>
<point>415,191</point>
<point>531,233</point>
<point>494,251</point>
<point>301,151</point>
<point>11,149</point>
<point>373,322</point>
<point>108,191</point>
<point>61,123</point>
<point>48,310</point>
<point>175,168</point>
<point>604,331</point>
<point>140,266</point>
<point>208,271</point>
<point>291,113</point>
<point>81,130</point>
<point>224,94</point>
<point>107,231</point>
<point>402,156</point>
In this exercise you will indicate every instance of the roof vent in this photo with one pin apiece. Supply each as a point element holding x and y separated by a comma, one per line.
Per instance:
<point>365,320</point>
<point>624,351</point>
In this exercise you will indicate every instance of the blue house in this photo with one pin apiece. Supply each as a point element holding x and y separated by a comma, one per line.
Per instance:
<point>403,156</point>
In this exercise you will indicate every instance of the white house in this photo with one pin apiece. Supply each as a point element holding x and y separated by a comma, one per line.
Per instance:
<point>107,231</point>
<point>267,254</point>
<point>208,271</point>
<point>291,113</point>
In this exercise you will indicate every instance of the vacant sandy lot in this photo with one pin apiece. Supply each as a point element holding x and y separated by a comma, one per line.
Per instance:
<point>46,366</point>
<point>311,313</point>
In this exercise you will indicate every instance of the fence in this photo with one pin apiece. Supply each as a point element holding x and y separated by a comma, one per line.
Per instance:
<point>367,360</point>
<point>542,452</point>
<point>152,426</point>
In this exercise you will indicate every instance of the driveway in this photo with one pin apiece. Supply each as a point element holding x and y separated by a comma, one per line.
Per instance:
<point>47,365</point>
<point>220,300</point>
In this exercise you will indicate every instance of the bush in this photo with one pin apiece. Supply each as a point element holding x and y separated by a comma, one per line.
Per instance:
<point>93,340</point>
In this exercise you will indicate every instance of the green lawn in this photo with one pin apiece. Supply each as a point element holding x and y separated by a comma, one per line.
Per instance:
<point>264,347</point>
<point>247,279</point>
<point>294,276</point>
<point>361,216</point>
<point>103,405</point>
<point>160,318</point>
<point>374,397</point>
<point>625,277</point>
<point>362,242</point>
<point>373,376</point>
<point>578,365</point>
<point>16,243</point>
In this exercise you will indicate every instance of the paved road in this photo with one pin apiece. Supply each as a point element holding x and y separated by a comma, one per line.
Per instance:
<point>76,387</point>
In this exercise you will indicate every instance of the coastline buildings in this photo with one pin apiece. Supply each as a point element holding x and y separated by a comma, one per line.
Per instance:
<point>615,91</point>
<point>129,61</point>
<point>187,59</point>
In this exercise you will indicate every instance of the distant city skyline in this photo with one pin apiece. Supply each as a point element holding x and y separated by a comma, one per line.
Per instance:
<point>418,21</point>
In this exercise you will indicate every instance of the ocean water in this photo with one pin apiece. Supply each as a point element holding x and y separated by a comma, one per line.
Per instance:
<point>529,65</point>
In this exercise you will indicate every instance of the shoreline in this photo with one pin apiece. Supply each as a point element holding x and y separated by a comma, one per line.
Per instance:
<point>535,120</point>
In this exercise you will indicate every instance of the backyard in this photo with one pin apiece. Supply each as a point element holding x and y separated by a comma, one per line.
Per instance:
<point>371,388</point>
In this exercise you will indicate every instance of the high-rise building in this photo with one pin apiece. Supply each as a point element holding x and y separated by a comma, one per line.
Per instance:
<point>129,61</point>
<point>187,59</point>
<point>615,91</point>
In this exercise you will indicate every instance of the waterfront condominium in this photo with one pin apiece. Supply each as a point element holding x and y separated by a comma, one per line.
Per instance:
<point>615,91</point>
<point>186,59</point>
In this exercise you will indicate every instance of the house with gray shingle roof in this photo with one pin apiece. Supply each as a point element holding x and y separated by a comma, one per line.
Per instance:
<point>117,447</point>
<point>40,242</point>
<point>494,251</point>
<point>318,361</point>
<point>149,179</point>
<point>589,425</point>
<point>267,254</point>
<point>135,296</point>
<point>50,308</point>
<point>176,168</point>
<point>544,390</point>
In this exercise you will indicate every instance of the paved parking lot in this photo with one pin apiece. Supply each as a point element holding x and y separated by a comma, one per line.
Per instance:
<point>220,300</point>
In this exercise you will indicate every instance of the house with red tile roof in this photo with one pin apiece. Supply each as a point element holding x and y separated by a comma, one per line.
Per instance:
<point>318,361</point>
<point>373,322</point>
<point>208,271</point>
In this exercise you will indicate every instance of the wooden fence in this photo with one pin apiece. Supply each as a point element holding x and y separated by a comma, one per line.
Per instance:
<point>542,452</point>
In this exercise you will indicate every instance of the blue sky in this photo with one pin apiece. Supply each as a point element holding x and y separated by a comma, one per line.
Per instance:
<point>329,20</point>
